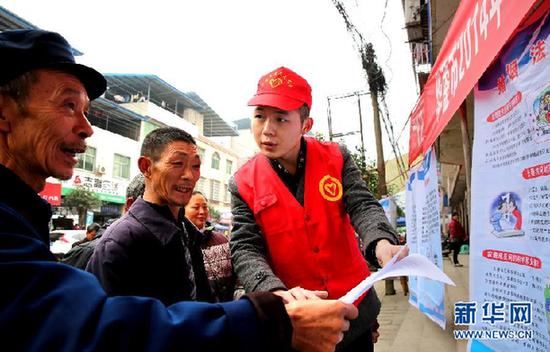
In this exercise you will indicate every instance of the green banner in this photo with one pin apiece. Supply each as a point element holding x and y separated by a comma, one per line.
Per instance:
<point>102,196</point>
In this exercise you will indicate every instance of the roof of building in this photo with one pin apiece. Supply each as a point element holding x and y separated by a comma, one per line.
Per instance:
<point>115,118</point>
<point>9,21</point>
<point>213,125</point>
<point>108,106</point>
<point>243,124</point>
<point>168,97</point>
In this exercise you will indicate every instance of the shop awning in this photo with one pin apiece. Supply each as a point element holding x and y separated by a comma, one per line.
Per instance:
<point>52,193</point>
<point>479,30</point>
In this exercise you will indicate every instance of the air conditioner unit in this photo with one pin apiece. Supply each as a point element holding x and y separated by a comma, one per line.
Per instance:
<point>100,169</point>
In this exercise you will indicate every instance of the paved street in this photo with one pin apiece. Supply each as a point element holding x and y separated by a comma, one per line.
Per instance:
<point>404,328</point>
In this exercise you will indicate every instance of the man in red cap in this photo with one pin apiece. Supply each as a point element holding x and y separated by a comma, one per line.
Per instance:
<point>297,206</point>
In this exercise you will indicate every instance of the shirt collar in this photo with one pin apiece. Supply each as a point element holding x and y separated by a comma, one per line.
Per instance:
<point>22,198</point>
<point>300,164</point>
<point>157,219</point>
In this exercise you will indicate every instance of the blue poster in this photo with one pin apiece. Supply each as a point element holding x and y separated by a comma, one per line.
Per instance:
<point>424,236</point>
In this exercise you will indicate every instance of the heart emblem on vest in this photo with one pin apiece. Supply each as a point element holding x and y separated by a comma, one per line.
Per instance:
<point>331,189</point>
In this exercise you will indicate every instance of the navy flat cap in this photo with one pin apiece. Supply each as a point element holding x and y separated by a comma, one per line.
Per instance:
<point>24,50</point>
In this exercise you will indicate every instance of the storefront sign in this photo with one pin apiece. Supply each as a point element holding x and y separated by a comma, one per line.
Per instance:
<point>107,189</point>
<point>52,193</point>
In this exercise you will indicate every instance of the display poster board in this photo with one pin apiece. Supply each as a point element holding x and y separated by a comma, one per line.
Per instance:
<point>510,217</point>
<point>424,236</point>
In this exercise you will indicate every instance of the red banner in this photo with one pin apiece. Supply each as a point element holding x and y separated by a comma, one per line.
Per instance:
<point>52,193</point>
<point>479,30</point>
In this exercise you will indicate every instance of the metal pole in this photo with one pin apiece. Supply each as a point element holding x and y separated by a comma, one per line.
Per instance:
<point>361,126</point>
<point>380,164</point>
<point>329,120</point>
<point>466,148</point>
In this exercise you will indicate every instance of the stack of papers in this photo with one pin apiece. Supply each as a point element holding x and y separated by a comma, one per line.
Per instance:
<point>412,265</point>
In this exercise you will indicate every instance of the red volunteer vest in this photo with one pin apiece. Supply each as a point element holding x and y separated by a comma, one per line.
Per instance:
<point>313,246</point>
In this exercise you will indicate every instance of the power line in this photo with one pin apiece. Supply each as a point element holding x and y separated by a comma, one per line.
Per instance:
<point>389,42</point>
<point>375,76</point>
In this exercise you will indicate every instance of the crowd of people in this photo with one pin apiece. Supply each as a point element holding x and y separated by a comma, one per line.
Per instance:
<point>160,277</point>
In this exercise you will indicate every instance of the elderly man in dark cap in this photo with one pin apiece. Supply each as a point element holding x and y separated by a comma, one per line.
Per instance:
<point>48,306</point>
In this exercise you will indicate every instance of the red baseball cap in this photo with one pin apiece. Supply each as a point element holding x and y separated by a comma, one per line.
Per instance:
<point>283,89</point>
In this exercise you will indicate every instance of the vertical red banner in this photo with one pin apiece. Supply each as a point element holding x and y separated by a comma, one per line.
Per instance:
<point>479,30</point>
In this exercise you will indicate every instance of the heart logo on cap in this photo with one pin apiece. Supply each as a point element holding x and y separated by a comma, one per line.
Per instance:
<point>275,82</point>
<point>330,188</point>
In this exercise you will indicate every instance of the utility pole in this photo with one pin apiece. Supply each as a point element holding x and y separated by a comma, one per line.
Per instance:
<point>380,164</point>
<point>331,134</point>
<point>329,120</point>
<point>377,83</point>
<point>377,86</point>
<point>361,126</point>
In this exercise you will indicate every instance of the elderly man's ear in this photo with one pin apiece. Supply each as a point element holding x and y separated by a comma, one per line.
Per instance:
<point>4,110</point>
<point>144,164</point>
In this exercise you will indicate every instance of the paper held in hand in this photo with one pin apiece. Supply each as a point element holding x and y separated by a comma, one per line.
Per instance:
<point>412,265</point>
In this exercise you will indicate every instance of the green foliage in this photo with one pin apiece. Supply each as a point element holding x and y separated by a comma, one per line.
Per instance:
<point>214,213</point>
<point>319,136</point>
<point>368,170</point>
<point>400,211</point>
<point>81,199</point>
<point>392,189</point>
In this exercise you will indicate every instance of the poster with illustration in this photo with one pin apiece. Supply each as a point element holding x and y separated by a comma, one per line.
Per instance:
<point>510,222</point>
<point>424,236</point>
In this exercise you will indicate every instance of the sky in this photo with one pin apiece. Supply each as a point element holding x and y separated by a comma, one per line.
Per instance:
<point>220,49</point>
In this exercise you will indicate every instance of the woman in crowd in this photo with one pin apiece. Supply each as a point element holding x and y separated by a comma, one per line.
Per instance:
<point>215,249</point>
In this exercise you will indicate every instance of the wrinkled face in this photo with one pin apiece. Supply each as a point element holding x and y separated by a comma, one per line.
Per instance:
<point>173,177</point>
<point>43,138</point>
<point>197,210</point>
<point>277,132</point>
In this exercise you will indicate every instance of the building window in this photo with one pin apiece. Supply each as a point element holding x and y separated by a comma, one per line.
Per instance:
<point>215,161</point>
<point>121,166</point>
<point>201,185</point>
<point>228,167</point>
<point>86,161</point>
<point>227,195</point>
<point>150,126</point>
<point>215,190</point>
<point>200,151</point>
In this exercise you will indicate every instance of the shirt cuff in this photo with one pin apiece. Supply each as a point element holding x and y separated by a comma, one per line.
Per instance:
<point>273,319</point>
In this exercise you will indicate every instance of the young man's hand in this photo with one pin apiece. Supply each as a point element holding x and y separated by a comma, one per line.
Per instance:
<point>385,251</point>
<point>318,325</point>
<point>300,294</point>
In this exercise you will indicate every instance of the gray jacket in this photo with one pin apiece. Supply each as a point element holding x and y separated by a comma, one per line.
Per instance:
<point>248,247</point>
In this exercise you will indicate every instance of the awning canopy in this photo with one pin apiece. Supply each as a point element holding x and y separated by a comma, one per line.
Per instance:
<point>476,35</point>
<point>160,92</point>
<point>9,21</point>
<point>213,125</point>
